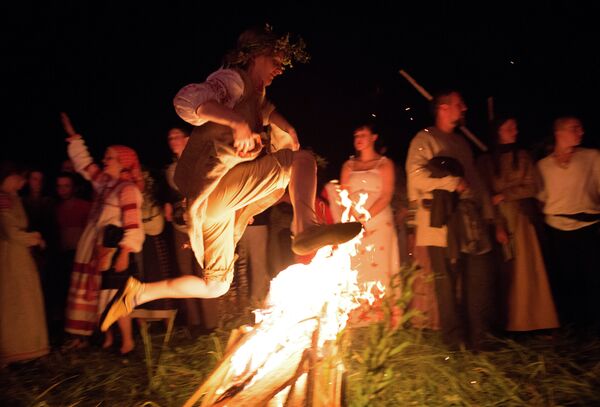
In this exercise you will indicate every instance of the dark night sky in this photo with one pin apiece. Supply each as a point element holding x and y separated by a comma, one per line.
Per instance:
<point>116,67</point>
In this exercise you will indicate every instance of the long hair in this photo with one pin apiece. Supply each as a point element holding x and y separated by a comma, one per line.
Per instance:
<point>499,149</point>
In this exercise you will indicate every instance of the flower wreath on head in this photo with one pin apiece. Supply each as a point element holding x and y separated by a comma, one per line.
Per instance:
<point>252,43</point>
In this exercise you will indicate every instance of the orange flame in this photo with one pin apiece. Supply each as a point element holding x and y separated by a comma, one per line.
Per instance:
<point>303,297</point>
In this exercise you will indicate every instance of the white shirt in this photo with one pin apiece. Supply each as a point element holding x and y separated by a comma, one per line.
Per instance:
<point>427,144</point>
<point>224,86</point>
<point>570,189</point>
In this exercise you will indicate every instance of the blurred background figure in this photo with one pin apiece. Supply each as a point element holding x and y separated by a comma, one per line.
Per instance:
<point>193,309</point>
<point>23,333</point>
<point>71,214</point>
<point>39,208</point>
<point>571,205</point>
<point>510,174</point>
<point>156,261</point>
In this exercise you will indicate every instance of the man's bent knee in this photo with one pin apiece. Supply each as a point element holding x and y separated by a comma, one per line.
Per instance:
<point>304,156</point>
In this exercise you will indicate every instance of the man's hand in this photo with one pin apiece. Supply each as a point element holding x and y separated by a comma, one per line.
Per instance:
<point>39,241</point>
<point>244,140</point>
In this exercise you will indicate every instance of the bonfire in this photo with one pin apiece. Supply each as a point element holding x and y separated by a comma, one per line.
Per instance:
<point>290,357</point>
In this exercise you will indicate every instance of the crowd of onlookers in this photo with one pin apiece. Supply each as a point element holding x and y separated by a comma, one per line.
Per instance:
<point>504,243</point>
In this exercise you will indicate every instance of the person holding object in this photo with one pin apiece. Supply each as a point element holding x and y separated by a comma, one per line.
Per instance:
<point>458,241</point>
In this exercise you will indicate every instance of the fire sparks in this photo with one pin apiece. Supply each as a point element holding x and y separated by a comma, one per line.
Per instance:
<point>307,307</point>
<point>305,297</point>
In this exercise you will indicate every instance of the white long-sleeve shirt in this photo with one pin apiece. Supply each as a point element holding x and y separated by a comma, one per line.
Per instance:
<point>427,144</point>
<point>570,189</point>
<point>224,86</point>
<point>117,203</point>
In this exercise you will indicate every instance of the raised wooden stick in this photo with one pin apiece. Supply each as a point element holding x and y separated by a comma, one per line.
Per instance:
<point>490,106</point>
<point>418,87</point>
<point>428,96</point>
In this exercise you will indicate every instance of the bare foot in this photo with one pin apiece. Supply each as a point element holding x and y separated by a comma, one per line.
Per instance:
<point>127,348</point>
<point>107,343</point>
<point>108,340</point>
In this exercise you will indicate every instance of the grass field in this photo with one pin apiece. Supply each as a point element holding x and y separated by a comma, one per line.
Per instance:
<point>524,371</point>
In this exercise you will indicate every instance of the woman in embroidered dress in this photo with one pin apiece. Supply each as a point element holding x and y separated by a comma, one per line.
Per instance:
<point>118,202</point>
<point>23,333</point>
<point>369,172</point>
<point>509,173</point>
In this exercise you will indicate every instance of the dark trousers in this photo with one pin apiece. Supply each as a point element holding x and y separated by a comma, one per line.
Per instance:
<point>466,296</point>
<point>574,274</point>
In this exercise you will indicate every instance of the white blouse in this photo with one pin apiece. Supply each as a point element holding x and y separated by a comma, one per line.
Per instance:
<point>224,86</point>
<point>571,189</point>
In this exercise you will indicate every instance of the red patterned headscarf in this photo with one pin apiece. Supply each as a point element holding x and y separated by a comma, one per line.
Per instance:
<point>131,165</point>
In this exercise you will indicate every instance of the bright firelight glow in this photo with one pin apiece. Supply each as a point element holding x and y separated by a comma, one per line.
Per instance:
<point>303,299</point>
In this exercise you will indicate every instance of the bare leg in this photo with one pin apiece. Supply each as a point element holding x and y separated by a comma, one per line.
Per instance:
<point>303,190</point>
<point>309,235</point>
<point>183,287</point>
<point>127,344</point>
<point>188,266</point>
<point>108,339</point>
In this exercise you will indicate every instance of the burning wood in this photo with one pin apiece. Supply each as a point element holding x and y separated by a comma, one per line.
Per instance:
<point>289,358</point>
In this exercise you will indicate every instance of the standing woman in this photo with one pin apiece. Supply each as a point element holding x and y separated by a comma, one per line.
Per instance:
<point>369,172</point>
<point>510,174</point>
<point>117,205</point>
<point>23,333</point>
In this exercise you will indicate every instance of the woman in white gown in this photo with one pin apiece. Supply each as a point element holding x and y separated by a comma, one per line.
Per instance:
<point>369,172</point>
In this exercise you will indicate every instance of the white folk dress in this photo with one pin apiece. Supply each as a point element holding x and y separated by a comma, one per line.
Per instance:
<point>378,257</point>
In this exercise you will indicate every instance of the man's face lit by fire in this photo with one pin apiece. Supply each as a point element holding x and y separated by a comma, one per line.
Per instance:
<point>267,67</point>
<point>507,132</point>
<point>64,188</point>
<point>454,109</point>
<point>570,133</point>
